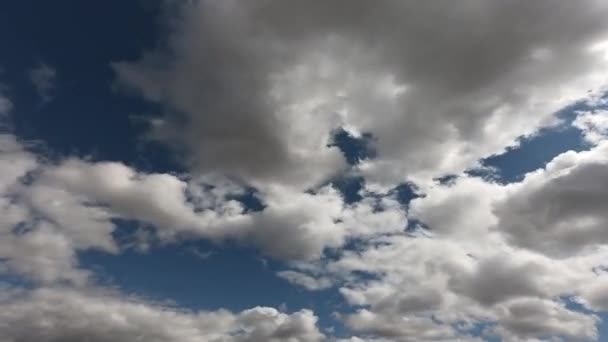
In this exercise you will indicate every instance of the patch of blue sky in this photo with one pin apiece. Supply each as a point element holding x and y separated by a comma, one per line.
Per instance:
<point>536,151</point>
<point>198,275</point>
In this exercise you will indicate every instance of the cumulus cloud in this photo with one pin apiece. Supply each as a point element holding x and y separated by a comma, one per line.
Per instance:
<point>39,238</point>
<point>259,87</point>
<point>422,288</point>
<point>60,314</point>
<point>492,254</point>
<point>293,225</point>
<point>593,124</point>
<point>73,205</point>
<point>250,96</point>
<point>560,209</point>
<point>522,320</point>
<point>505,255</point>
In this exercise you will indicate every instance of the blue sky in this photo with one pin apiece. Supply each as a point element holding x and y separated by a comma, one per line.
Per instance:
<point>303,171</point>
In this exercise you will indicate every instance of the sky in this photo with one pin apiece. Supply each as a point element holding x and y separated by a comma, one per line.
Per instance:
<point>303,171</point>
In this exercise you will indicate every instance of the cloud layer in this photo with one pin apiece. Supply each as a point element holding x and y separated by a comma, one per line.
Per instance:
<point>250,96</point>
<point>255,90</point>
<point>54,314</point>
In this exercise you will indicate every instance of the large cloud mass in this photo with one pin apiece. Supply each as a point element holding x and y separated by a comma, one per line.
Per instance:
<point>250,96</point>
<point>256,89</point>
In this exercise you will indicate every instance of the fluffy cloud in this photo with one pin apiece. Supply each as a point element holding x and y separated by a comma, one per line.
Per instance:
<point>594,125</point>
<point>260,87</point>
<point>250,95</point>
<point>55,314</point>
<point>293,224</point>
<point>421,288</point>
<point>487,256</point>
<point>522,320</point>
<point>28,246</point>
<point>561,209</point>
<point>73,206</point>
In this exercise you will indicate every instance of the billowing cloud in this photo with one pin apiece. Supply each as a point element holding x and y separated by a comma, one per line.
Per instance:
<point>73,205</point>
<point>523,320</point>
<point>505,256</point>
<point>561,209</point>
<point>594,125</point>
<point>55,314</point>
<point>293,225</point>
<point>256,89</point>
<point>250,95</point>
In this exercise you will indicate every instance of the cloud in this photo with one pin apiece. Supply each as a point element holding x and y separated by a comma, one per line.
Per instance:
<point>495,254</point>
<point>398,328</point>
<point>43,78</point>
<point>561,209</point>
<point>595,294</point>
<point>306,281</point>
<point>255,90</point>
<point>293,225</point>
<point>421,288</point>
<point>74,205</point>
<point>251,95</point>
<point>39,237</point>
<point>96,315</point>
<point>593,124</point>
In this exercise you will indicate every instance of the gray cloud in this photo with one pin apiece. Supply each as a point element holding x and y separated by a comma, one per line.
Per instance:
<point>527,319</point>
<point>562,209</point>
<point>498,279</point>
<point>252,91</point>
<point>258,87</point>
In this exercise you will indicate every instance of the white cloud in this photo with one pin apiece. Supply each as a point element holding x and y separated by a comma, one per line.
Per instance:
<point>400,328</point>
<point>56,314</point>
<point>593,124</point>
<point>523,319</point>
<point>503,255</point>
<point>445,284</point>
<point>252,94</point>
<point>71,206</point>
<point>293,225</point>
<point>306,281</point>
<point>27,246</point>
